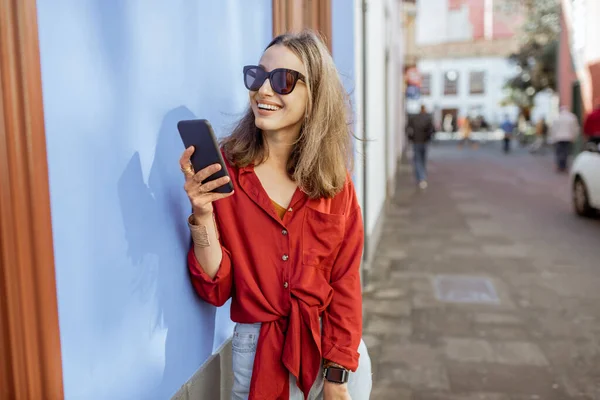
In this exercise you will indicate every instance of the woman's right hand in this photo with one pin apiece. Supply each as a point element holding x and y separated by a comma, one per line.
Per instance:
<point>201,195</point>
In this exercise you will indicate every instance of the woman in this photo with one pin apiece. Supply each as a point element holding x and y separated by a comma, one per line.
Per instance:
<point>466,130</point>
<point>286,247</point>
<point>541,135</point>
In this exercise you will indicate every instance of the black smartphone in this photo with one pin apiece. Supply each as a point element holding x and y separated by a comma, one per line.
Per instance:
<point>199,133</point>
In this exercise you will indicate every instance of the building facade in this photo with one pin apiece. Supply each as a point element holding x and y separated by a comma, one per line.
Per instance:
<point>579,55</point>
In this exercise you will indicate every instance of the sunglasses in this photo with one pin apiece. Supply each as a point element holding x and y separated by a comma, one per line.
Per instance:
<point>282,80</point>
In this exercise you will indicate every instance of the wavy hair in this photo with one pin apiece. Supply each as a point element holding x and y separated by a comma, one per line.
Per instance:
<point>322,155</point>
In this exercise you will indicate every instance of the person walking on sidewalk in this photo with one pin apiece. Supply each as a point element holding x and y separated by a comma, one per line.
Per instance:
<point>563,133</point>
<point>541,137</point>
<point>286,247</point>
<point>508,128</point>
<point>420,130</point>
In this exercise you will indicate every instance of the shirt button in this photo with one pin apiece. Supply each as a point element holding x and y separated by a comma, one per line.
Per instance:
<point>284,232</point>
<point>290,209</point>
<point>285,257</point>
<point>285,285</point>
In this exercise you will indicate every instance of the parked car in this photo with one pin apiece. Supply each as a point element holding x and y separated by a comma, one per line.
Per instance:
<point>585,181</point>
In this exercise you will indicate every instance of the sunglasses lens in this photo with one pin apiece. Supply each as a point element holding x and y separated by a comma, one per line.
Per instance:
<point>254,78</point>
<point>283,81</point>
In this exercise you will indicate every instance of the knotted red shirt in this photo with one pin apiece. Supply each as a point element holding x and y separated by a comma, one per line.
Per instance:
<point>286,273</point>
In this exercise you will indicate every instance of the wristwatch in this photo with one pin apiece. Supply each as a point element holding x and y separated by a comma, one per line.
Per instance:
<point>336,374</point>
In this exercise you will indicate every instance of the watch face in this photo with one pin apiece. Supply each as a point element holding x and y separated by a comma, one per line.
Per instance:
<point>336,375</point>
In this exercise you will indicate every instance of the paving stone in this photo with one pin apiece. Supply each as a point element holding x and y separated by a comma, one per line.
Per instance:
<point>462,251</point>
<point>439,322</point>
<point>484,227</point>
<point>410,353</point>
<point>468,350</point>
<point>509,251</point>
<point>475,209</point>
<point>518,353</point>
<point>392,293</point>
<point>462,396</point>
<point>388,327</point>
<point>419,377</point>
<point>523,380</point>
<point>390,391</point>
<point>388,308</point>
<point>501,319</point>
<point>478,350</point>
<point>371,341</point>
<point>505,333</point>
<point>425,301</point>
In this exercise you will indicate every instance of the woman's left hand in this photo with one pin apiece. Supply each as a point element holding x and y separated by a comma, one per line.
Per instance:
<point>335,391</point>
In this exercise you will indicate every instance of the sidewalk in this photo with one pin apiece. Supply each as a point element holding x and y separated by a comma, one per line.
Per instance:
<point>485,286</point>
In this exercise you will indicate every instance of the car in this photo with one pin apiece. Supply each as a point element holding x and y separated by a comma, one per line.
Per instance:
<point>585,181</point>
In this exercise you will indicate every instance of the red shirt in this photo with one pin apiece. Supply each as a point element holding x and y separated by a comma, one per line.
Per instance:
<point>591,127</point>
<point>286,273</point>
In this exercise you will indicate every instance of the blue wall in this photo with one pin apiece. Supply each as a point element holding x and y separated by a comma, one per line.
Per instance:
<point>117,76</point>
<point>342,32</point>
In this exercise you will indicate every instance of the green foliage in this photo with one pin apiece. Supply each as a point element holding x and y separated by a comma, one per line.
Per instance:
<point>537,55</point>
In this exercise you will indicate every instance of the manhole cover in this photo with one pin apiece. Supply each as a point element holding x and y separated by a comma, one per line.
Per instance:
<point>465,289</point>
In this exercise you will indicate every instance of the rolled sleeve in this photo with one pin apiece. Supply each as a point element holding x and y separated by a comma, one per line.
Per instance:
<point>342,320</point>
<point>217,290</point>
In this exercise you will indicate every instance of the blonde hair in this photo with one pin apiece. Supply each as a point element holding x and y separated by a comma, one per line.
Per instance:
<point>322,155</point>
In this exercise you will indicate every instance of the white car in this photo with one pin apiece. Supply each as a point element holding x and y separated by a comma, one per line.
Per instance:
<point>585,181</point>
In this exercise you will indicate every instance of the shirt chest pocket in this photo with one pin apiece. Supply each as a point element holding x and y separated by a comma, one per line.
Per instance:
<point>322,235</point>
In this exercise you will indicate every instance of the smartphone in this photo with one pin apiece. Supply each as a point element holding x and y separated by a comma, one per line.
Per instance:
<point>199,133</point>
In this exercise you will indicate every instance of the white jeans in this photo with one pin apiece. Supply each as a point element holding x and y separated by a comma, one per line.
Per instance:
<point>245,338</point>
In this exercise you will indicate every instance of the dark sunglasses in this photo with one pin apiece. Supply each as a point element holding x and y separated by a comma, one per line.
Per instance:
<point>282,80</point>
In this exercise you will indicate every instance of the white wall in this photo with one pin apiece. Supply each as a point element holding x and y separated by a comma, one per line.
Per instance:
<point>437,24</point>
<point>458,27</point>
<point>381,151</point>
<point>375,113</point>
<point>432,21</point>
<point>382,148</point>
<point>498,70</point>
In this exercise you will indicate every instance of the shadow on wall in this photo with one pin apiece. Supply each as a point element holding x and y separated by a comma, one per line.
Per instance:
<point>153,215</point>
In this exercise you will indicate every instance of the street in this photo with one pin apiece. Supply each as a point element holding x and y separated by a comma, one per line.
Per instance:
<point>485,285</point>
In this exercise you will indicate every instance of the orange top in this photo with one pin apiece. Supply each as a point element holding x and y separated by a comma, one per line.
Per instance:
<point>279,210</point>
<point>286,273</point>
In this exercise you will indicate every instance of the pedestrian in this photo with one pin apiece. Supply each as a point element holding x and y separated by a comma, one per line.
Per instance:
<point>508,128</point>
<point>466,133</point>
<point>541,134</point>
<point>564,132</point>
<point>591,126</point>
<point>420,130</point>
<point>286,247</point>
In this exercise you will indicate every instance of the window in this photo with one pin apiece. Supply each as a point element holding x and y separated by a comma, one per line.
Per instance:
<point>477,82</point>
<point>451,83</point>
<point>425,84</point>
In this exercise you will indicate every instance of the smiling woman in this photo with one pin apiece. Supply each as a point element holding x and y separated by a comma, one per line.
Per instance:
<point>286,247</point>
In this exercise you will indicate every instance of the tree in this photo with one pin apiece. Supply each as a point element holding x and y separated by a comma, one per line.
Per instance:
<point>538,48</point>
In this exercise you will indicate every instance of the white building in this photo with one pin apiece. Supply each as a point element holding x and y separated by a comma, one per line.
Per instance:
<point>469,86</point>
<point>463,58</point>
